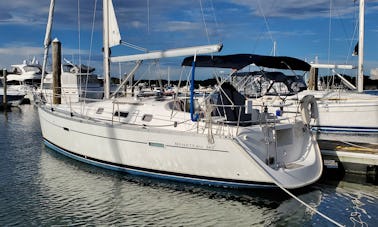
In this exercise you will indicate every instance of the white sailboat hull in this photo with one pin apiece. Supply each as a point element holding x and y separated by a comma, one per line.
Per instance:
<point>177,155</point>
<point>348,117</point>
<point>346,113</point>
<point>339,112</point>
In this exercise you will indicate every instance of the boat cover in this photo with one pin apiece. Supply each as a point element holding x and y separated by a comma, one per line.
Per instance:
<point>239,61</point>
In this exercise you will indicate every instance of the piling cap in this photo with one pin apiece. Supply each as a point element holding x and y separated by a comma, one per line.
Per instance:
<point>55,40</point>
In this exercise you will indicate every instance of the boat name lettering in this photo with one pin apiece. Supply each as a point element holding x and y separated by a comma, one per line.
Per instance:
<point>196,146</point>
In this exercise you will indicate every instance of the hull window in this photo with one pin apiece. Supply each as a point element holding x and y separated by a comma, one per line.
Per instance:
<point>153,144</point>
<point>147,117</point>
<point>100,110</point>
<point>121,114</point>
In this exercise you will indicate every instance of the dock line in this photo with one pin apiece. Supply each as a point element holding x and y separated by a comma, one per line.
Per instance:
<point>358,146</point>
<point>287,191</point>
<point>305,204</point>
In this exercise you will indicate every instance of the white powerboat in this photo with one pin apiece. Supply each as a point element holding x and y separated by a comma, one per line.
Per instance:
<point>78,82</point>
<point>25,78</point>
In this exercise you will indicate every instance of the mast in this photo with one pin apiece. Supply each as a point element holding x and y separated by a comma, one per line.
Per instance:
<point>106,48</point>
<point>47,40</point>
<point>360,76</point>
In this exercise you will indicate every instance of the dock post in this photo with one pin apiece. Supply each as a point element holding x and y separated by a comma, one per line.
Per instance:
<point>132,85</point>
<point>5,100</point>
<point>56,67</point>
<point>313,81</point>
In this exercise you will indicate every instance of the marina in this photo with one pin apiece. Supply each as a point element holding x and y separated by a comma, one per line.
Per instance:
<point>262,141</point>
<point>41,187</point>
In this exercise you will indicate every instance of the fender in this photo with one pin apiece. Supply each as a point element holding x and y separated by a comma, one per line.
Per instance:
<point>309,109</point>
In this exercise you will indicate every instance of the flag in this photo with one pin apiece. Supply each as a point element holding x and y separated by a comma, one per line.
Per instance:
<point>355,52</point>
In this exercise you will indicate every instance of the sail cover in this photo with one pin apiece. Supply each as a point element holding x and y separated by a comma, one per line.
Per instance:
<point>114,35</point>
<point>239,61</point>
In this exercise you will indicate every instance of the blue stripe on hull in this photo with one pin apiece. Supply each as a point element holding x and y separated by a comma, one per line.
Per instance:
<point>166,175</point>
<point>345,129</point>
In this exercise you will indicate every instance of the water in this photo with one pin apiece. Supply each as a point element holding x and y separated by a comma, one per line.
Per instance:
<point>39,187</point>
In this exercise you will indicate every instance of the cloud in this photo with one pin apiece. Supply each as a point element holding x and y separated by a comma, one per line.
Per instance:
<point>20,48</point>
<point>14,53</point>
<point>21,12</point>
<point>298,9</point>
<point>175,26</point>
<point>165,24</point>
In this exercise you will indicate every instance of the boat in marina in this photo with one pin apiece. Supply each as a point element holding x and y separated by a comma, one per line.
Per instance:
<point>78,82</point>
<point>338,114</point>
<point>25,78</point>
<point>347,112</point>
<point>339,111</point>
<point>216,139</point>
<point>342,111</point>
<point>14,97</point>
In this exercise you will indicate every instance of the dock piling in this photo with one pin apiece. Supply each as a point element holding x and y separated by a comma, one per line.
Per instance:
<point>5,100</point>
<point>56,66</point>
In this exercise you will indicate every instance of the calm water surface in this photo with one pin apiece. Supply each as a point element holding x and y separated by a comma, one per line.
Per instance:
<point>39,187</point>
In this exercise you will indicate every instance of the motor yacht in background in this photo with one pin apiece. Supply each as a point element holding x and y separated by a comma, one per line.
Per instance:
<point>25,78</point>
<point>78,82</point>
<point>14,96</point>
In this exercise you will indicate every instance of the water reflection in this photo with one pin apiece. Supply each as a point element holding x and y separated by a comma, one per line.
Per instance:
<point>97,196</point>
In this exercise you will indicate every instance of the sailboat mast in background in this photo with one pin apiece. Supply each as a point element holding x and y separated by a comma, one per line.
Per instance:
<point>360,76</point>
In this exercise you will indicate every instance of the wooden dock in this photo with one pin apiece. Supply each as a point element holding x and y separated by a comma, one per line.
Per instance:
<point>352,158</point>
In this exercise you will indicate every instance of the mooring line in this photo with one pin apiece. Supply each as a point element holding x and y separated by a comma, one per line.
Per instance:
<point>358,146</point>
<point>287,191</point>
<point>305,204</point>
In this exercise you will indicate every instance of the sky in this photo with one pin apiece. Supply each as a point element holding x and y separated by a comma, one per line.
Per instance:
<point>322,29</point>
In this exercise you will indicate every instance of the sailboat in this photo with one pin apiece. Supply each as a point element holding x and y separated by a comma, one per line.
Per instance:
<point>342,115</point>
<point>216,139</point>
<point>348,112</point>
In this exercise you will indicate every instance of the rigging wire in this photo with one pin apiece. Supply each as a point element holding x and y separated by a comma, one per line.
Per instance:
<point>355,32</point>
<point>92,33</point>
<point>134,46</point>
<point>148,16</point>
<point>204,22</point>
<point>215,21</point>
<point>266,22</point>
<point>350,42</point>
<point>79,28</point>
<point>79,44</point>
<point>329,39</point>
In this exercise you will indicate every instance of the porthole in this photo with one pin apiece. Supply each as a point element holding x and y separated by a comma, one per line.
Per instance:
<point>100,110</point>
<point>147,117</point>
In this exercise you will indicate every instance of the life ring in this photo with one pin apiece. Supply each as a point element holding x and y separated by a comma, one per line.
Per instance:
<point>309,109</point>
